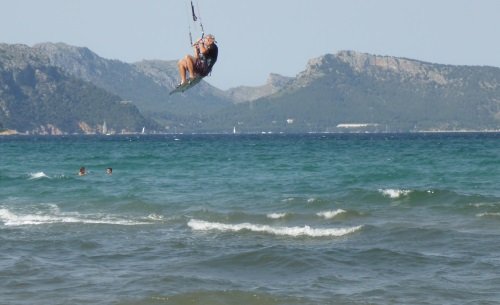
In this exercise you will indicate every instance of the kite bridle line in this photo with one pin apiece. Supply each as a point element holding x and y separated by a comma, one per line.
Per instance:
<point>196,18</point>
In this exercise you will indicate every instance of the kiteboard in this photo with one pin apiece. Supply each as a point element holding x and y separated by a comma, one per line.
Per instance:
<point>187,85</point>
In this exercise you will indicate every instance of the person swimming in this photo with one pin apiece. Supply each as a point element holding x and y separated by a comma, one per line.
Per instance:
<point>82,171</point>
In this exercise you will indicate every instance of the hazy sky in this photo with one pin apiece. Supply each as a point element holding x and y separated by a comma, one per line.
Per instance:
<point>258,37</point>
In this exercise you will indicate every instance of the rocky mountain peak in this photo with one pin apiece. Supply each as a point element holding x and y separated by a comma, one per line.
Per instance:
<point>278,81</point>
<point>274,83</point>
<point>375,65</point>
<point>77,61</point>
<point>62,50</point>
<point>20,56</point>
<point>363,61</point>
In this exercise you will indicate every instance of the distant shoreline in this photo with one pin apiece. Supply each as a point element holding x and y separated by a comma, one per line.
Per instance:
<point>8,132</point>
<point>15,133</point>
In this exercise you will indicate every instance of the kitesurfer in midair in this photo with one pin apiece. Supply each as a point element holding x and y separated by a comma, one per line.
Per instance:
<point>199,65</point>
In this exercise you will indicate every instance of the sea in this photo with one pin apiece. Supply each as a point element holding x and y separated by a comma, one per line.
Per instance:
<point>267,219</point>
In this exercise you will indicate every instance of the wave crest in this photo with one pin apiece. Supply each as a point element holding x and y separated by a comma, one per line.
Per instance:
<point>276,215</point>
<point>394,193</point>
<point>201,225</point>
<point>489,214</point>
<point>330,214</point>
<point>39,175</point>
<point>9,218</point>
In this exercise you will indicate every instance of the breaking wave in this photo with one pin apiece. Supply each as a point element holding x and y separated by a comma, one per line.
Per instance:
<point>330,214</point>
<point>276,215</point>
<point>394,193</point>
<point>9,218</point>
<point>488,214</point>
<point>201,225</point>
<point>39,175</point>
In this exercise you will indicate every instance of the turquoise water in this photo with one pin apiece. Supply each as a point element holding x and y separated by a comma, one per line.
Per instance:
<point>251,219</point>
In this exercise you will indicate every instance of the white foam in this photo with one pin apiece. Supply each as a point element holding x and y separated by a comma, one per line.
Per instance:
<point>311,200</point>
<point>9,218</point>
<point>330,214</point>
<point>200,225</point>
<point>155,217</point>
<point>394,193</point>
<point>482,204</point>
<point>276,215</point>
<point>38,175</point>
<point>488,214</point>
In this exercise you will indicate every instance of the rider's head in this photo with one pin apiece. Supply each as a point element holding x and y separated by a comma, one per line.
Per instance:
<point>210,38</point>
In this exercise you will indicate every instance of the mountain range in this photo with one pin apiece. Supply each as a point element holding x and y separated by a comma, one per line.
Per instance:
<point>37,97</point>
<point>351,91</point>
<point>57,88</point>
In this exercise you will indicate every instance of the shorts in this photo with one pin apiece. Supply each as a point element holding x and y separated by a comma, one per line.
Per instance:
<point>201,67</point>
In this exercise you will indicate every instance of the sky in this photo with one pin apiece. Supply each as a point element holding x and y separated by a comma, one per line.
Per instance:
<point>259,37</point>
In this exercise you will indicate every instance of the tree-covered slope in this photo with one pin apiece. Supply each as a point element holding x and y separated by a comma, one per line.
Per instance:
<point>38,97</point>
<point>377,93</point>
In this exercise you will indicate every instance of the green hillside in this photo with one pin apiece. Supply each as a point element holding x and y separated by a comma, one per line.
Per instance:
<point>357,92</point>
<point>36,97</point>
<point>57,88</point>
